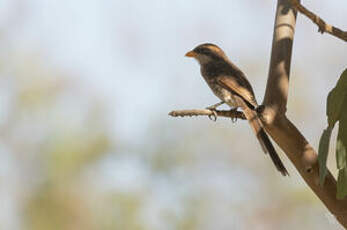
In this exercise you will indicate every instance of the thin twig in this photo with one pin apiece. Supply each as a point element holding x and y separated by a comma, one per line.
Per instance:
<point>322,25</point>
<point>207,112</point>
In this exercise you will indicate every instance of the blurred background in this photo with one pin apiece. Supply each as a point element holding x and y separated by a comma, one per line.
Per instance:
<point>86,142</point>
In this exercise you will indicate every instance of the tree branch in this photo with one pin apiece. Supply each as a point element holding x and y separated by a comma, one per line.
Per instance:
<point>280,128</point>
<point>322,25</point>
<point>207,112</point>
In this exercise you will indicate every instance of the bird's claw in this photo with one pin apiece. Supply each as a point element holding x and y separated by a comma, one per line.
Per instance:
<point>260,109</point>
<point>213,116</point>
<point>233,119</point>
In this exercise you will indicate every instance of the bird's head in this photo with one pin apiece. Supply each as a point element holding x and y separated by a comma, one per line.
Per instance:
<point>206,53</point>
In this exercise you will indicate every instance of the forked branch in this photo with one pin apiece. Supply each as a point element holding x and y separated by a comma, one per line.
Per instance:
<point>281,129</point>
<point>278,126</point>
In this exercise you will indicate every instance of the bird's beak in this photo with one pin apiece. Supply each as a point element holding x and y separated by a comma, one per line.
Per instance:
<point>191,54</point>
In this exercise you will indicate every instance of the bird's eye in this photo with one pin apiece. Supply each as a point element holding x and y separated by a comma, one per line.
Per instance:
<point>204,51</point>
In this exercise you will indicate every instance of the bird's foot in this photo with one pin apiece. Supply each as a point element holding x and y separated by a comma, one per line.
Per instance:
<point>212,108</point>
<point>233,110</point>
<point>260,109</point>
<point>213,116</point>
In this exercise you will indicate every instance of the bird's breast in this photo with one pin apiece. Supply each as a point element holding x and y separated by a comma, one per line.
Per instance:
<point>221,93</point>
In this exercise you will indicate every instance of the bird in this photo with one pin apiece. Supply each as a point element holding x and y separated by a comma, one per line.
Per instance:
<point>232,87</point>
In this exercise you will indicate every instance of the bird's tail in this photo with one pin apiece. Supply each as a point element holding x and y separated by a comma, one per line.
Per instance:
<point>263,138</point>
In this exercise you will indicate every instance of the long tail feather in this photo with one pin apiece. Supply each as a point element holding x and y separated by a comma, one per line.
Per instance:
<point>261,135</point>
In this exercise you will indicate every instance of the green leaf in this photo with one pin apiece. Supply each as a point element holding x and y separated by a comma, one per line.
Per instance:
<point>336,98</point>
<point>342,184</point>
<point>341,144</point>
<point>323,153</point>
<point>341,152</point>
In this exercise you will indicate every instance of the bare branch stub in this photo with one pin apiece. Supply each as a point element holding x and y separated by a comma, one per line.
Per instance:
<point>322,25</point>
<point>207,112</point>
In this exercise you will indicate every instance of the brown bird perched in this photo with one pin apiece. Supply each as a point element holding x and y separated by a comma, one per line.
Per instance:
<point>230,85</point>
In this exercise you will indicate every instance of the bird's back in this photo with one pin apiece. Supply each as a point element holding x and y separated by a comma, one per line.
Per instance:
<point>226,69</point>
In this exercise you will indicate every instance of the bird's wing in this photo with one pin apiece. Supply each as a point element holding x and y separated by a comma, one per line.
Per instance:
<point>240,86</point>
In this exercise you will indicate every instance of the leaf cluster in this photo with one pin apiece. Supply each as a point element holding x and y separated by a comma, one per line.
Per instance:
<point>336,112</point>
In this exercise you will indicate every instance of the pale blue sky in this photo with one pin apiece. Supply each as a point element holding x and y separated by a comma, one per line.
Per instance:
<point>122,47</point>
